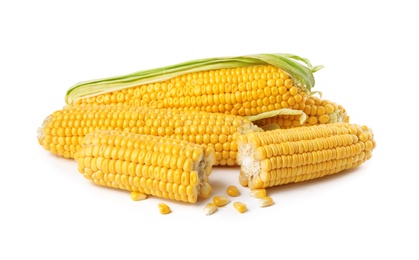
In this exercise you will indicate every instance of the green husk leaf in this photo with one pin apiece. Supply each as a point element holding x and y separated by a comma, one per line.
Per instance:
<point>313,93</point>
<point>270,127</point>
<point>300,69</point>
<point>282,111</point>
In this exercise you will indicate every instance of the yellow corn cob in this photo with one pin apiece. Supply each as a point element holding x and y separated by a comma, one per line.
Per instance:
<point>246,85</point>
<point>241,91</point>
<point>152,165</point>
<point>317,110</point>
<point>62,132</point>
<point>292,155</point>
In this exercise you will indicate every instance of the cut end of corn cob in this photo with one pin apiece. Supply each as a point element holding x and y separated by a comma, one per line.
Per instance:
<point>292,155</point>
<point>152,165</point>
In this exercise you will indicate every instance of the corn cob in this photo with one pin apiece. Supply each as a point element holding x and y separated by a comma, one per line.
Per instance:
<point>152,165</point>
<point>244,85</point>
<point>62,132</point>
<point>283,156</point>
<point>316,110</point>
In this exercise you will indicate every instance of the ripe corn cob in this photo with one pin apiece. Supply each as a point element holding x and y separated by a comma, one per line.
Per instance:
<point>244,85</point>
<point>153,165</point>
<point>292,155</point>
<point>62,132</point>
<point>317,111</point>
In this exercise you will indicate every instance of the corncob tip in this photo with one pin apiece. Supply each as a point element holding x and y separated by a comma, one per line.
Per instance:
<point>40,130</point>
<point>338,116</point>
<point>249,166</point>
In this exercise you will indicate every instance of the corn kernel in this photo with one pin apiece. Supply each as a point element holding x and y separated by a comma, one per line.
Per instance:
<point>266,201</point>
<point>220,201</point>
<point>240,206</point>
<point>233,191</point>
<point>243,181</point>
<point>206,191</point>
<point>164,209</point>
<point>258,193</point>
<point>210,208</point>
<point>136,196</point>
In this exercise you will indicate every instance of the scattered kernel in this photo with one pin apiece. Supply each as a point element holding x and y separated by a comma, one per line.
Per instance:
<point>243,181</point>
<point>240,206</point>
<point>136,196</point>
<point>210,208</point>
<point>164,209</point>
<point>258,193</point>
<point>233,191</point>
<point>206,191</point>
<point>266,201</point>
<point>220,201</point>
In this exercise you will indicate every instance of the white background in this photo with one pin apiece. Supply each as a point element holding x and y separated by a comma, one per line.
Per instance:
<point>370,53</point>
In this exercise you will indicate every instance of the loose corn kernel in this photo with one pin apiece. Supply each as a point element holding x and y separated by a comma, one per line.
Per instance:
<point>220,201</point>
<point>240,206</point>
<point>258,193</point>
<point>164,209</point>
<point>233,191</point>
<point>266,201</point>
<point>243,179</point>
<point>206,191</point>
<point>136,196</point>
<point>210,208</point>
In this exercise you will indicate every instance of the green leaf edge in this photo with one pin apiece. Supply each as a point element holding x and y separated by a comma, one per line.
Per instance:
<point>278,112</point>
